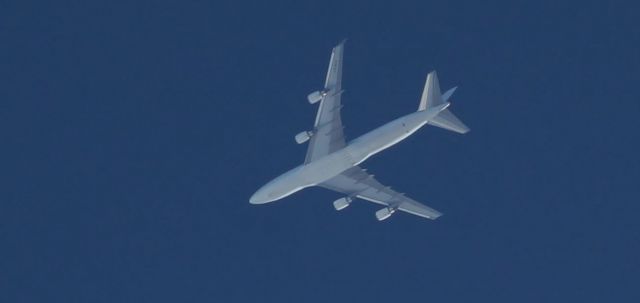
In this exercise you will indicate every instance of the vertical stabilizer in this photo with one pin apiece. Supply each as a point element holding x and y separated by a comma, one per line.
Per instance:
<point>431,94</point>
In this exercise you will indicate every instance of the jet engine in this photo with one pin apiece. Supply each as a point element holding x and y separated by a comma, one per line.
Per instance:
<point>316,96</point>
<point>385,213</point>
<point>303,137</point>
<point>342,203</point>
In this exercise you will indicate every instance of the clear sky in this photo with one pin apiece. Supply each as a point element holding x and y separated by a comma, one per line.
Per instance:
<point>134,132</point>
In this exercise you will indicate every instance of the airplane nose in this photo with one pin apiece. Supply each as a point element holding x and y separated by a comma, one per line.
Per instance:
<point>258,197</point>
<point>253,199</point>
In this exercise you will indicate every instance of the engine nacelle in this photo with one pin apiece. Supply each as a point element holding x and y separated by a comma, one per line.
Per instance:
<point>385,213</point>
<point>303,137</point>
<point>316,96</point>
<point>342,203</point>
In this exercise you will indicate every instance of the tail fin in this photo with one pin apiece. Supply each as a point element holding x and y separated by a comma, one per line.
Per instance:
<point>432,97</point>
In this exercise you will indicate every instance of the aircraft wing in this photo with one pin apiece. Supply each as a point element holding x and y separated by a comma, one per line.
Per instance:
<point>327,129</point>
<point>356,182</point>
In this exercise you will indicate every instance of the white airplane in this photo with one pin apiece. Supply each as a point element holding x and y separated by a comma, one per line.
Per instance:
<point>333,164</point>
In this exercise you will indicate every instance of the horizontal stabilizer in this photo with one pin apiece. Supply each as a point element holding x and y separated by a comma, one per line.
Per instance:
<point>447,120</point>
<point>448,94</point>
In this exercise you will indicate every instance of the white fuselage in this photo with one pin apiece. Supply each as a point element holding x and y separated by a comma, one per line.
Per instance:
<point>354,153</point>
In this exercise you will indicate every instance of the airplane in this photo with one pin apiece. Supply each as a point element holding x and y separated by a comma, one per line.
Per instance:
<point>332,163</point>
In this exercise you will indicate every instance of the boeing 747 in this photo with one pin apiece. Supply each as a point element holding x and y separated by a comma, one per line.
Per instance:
<point>333,164</point>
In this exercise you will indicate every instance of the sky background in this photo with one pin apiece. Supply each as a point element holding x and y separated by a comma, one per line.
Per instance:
<point>134,132</point>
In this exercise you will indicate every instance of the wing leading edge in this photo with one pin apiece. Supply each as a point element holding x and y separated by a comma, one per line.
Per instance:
<point>328,135</point>
<point>356,182</point>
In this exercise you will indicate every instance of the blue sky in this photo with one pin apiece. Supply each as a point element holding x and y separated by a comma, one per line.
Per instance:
<point>134,134</point>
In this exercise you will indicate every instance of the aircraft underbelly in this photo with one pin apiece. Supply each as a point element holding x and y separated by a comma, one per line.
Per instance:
<point>355,153</point>
<point>326,168</point>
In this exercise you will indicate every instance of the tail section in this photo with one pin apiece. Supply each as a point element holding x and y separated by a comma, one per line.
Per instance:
<point>431,97</point>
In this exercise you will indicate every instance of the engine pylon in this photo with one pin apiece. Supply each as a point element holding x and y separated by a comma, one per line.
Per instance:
<point>385,213</point>
<point>303,137</point>
<point>316,96</point>
<point>342,203</point>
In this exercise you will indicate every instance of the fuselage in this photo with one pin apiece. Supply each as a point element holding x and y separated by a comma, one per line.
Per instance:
<point>356,152</point>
